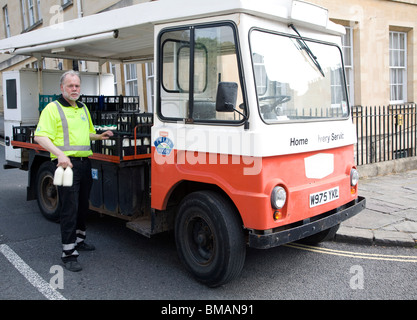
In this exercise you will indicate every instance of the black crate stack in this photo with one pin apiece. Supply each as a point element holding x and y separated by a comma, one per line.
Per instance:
<point>120,114</point>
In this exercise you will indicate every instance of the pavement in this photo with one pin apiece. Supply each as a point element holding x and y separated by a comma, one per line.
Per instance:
<point>390,217</point>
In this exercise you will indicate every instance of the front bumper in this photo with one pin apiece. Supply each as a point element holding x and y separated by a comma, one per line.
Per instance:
<point>306,229</point>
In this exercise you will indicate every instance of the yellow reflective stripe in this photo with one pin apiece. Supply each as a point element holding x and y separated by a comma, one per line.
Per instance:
<point>67,146</point>
<point>64,122</point>
<point>75,148</point>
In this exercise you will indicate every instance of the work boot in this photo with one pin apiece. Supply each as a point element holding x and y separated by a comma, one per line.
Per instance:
<point>73,265</point>
<point>82,246</point>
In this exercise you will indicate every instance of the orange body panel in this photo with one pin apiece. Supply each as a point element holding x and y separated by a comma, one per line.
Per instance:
<point>250,181</point>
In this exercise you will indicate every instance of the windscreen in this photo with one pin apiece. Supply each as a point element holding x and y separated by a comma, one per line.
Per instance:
<point>298,79</point>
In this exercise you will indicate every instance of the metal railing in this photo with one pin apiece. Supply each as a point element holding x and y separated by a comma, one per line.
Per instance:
<point>385,132</point>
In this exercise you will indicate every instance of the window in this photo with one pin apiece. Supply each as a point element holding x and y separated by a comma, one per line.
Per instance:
<point>83,66</point>
<point>398,66</point>
<point>31,13</point>
<point>193,61</point>
<point>297,80</point>
<point>38,7</point>
<point>347,47</point>
<point>6,22</point>
<point>66,3</point>
<point>150,76</point>
<point>131,80</point>
<point>178,80</point>
<point>24,16</point>
<point>113,71</point>
<point>260,73</point>
<point>11,94</point>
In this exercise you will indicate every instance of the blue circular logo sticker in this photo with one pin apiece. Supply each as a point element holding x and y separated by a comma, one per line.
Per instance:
<point>164,146</point>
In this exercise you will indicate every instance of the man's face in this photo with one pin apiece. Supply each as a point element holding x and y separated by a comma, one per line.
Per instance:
<point>71,88</point>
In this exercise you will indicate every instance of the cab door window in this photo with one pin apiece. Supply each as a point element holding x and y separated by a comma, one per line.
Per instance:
<point>193,61</point>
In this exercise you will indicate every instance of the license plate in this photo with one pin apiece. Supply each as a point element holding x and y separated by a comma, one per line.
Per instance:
<point>319,198</point>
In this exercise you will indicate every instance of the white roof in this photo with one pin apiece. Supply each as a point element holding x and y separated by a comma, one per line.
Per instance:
<point>128,33</point>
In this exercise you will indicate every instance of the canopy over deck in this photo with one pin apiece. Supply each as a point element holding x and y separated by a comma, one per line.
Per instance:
<point>127,34</point>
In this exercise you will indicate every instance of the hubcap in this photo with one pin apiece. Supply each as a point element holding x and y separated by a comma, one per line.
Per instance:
<point>49,193</point>
<point>201,240</point>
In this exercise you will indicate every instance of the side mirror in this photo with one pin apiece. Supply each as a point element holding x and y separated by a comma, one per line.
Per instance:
<point>226,96</point>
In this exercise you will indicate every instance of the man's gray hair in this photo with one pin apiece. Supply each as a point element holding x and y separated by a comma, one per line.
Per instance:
<point>70,72</point>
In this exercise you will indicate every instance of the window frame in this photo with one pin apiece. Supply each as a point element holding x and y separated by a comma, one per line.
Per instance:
<point>295,37</point>
<point>66,3</point>
<point>398,69</point>
<point>349,68</point>
<point>178,82</point>
<point>113,71</point>
<point>129,80</point>
<point>159,80</point>
<point>6,21</point>
<point>31,14</point>
<point>150,85</point>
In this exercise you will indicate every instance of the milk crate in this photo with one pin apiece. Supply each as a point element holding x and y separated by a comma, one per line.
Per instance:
<point>24,133</point>
<point>44,100</point>
<point>132,134</point>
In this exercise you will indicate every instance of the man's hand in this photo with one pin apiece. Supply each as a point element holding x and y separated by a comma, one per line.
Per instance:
<point>46,143</point>
<point>64,162</point>
<point>103,136</point>
<point>106,135</point>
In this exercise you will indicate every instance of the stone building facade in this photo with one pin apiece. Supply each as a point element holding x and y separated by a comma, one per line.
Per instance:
<point>380,45</point>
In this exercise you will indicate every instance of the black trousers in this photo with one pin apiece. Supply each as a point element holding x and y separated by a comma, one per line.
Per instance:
<point>75,207</point>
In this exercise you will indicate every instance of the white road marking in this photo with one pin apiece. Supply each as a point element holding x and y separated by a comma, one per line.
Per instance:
<point>35,279</point>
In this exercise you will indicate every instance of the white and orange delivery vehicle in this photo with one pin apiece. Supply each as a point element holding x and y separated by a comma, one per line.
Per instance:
<point>249,141</point>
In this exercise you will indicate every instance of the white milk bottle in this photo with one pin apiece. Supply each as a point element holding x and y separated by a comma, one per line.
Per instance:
<point>68,177</point>
<point>59,176</point>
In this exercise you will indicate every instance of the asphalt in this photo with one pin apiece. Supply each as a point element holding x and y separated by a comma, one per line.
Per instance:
<point>390,217</point>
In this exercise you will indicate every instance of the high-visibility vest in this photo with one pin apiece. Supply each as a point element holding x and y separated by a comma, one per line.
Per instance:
<point>65,128</point>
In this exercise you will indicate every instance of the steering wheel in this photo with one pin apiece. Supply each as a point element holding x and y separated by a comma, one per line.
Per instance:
<point>267,109</point>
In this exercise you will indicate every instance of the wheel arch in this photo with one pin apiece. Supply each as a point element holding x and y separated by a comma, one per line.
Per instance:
<point>186,187</point>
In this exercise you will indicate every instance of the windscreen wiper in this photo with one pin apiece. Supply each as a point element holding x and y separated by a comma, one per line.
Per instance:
<point>307,49</point>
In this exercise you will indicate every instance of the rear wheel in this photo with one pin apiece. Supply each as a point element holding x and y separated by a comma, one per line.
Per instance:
<point>47,192</point>
<point>210,239</point>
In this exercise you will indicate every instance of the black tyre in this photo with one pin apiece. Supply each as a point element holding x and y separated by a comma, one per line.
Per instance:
<point>47,192</point>
<point>210,239</point>
<point>321,236</point>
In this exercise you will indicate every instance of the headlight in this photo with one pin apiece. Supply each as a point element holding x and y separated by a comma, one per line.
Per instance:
<point>278,197</point>
<point>354,177</point>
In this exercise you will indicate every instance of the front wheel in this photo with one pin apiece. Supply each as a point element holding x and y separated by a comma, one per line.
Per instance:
<point>210,239</point>
<point>47,193</point>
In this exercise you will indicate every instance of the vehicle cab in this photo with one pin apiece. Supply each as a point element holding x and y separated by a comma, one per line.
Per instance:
<point>254,104</point>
